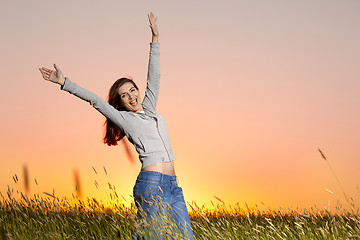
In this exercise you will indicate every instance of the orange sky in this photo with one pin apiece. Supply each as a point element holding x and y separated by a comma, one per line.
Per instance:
<point>250,90</point>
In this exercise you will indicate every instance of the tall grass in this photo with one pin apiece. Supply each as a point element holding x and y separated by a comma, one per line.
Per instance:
<point>48,217</point>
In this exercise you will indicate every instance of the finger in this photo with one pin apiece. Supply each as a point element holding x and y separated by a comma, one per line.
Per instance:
<point>46,77</point>
<point>57,69</point>
<point>42,71</point>
<point>46,70</point>
<point>151,16</point>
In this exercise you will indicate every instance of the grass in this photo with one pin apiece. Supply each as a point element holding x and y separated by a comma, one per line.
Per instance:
<point>48,217</point>
<point>52,218</point>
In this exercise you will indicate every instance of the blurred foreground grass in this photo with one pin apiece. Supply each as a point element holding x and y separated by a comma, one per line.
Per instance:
<point>52,218</point>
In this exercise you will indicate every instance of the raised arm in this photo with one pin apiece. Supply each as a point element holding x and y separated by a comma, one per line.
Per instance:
<point>153,78</point>
<point>98,103</point>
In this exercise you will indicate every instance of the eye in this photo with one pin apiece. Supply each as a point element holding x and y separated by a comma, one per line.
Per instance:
<point>132,90</point>
<point>122,96</point>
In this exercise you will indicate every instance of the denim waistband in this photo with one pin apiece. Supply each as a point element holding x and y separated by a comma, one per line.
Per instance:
<point>156,177</point>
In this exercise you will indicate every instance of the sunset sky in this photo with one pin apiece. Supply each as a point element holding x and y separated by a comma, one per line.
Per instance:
<point>249,90</point>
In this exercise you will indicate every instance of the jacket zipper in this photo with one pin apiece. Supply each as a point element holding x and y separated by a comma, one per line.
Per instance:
<point>157,126</point>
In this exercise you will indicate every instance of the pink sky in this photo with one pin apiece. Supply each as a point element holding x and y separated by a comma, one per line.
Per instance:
<point>250,90</point>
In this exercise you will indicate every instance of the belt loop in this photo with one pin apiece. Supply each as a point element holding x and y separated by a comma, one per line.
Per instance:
<point>162,176</point>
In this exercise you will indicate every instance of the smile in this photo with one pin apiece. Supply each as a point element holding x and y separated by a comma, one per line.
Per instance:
<point>134,102</point>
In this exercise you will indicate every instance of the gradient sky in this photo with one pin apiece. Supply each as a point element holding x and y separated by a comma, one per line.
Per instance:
<point>249,90</point>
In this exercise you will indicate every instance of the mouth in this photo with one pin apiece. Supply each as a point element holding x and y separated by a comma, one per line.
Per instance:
<point>134,102</point>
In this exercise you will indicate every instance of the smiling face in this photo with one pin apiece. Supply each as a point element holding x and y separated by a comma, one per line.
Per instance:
<point>130,97</point>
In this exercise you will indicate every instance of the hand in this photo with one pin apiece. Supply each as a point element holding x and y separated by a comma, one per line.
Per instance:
<point>153,24</point>
<point>53,76</point>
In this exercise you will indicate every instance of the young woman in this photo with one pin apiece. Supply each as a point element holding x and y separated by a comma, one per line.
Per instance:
<point>156,190</point>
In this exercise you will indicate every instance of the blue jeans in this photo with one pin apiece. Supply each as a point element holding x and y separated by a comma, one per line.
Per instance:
<point>160,202</point>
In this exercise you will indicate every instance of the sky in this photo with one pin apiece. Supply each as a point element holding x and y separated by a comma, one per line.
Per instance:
<point>250,90</point>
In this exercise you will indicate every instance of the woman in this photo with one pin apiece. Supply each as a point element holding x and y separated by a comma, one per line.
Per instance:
<point>156,190</point>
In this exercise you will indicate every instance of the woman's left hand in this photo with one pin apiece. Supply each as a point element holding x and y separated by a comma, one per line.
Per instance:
<point>153,25</point>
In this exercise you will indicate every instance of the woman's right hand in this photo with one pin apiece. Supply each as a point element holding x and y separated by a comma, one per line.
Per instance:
<point>54,76</point>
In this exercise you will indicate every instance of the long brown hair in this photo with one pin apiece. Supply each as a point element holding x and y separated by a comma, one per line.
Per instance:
<point>113,133</point>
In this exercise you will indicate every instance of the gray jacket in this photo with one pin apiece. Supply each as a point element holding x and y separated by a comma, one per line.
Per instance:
<point>146,130</point>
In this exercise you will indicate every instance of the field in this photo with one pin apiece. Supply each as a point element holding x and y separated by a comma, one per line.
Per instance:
<point>52,218</point>
<point>48,217</point>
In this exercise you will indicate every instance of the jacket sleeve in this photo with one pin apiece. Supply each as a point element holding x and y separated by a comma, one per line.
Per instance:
<point>97,102</point>
<point>153,78</point>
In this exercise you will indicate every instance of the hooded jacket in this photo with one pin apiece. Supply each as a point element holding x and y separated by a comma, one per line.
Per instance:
<point>146,130</point>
